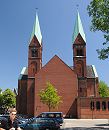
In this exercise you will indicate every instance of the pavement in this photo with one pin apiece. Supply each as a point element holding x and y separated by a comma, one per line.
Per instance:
<point>85,124</point>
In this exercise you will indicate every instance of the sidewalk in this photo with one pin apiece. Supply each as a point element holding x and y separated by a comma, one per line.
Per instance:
<point>99,123</point>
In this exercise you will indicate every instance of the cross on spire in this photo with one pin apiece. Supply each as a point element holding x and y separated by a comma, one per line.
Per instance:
<point>77,5</point>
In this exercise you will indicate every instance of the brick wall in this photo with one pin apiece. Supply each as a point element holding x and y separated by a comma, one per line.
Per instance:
<point>64,80</point>
<point>30,96</point>
<point>22,97</point>
<point>84,108</point>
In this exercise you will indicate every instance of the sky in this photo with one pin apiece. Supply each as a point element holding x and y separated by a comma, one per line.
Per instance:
<point>57,19</point>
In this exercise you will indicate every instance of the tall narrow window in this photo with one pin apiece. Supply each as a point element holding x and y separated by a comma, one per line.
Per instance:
<point>98,105</point>
<point>33,70</point>
<point>34,52</point>
<point>92,105</point>
<point>80,52</point>
<point>103,105</point>
<point>80,89</point>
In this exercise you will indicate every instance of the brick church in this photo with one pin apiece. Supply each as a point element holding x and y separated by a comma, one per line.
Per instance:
<point>76,84</point>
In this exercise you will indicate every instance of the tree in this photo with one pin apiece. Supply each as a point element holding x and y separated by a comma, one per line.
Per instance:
<point>9,99</point>
<point>0,90</point>
<point>1,104</point>
<point>1,98</point>
<point>49,96</point>
<point>99,11</point>
<point>103,89</point>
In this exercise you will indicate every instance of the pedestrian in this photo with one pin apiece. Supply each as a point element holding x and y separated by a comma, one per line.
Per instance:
<point>11,123</point>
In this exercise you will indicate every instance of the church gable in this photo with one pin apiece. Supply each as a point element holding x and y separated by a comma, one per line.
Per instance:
<point>63,78</point>
<point>57,65</point>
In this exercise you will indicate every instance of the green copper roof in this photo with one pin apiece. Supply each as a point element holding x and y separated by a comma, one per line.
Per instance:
<point>36,30</point>
<point>78,29</point>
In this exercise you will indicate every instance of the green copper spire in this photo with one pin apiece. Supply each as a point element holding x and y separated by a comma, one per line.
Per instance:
<point>78,29</point>
<point>36,30</point>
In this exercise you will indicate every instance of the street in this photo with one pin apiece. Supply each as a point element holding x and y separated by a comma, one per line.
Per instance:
<point>85,124</point>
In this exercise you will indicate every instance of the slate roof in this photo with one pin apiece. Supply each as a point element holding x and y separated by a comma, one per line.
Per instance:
<point>91,72</point>
<point>24,74</point>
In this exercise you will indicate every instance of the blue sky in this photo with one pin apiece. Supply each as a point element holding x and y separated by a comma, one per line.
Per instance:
<point>57,18</point>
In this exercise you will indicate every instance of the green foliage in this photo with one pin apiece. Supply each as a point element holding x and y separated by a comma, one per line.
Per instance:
<point>49,96</point>
<point>103,89</point>
<point>0,90</point>
<point>1,99</point>
<point>99,12</point>
<point>7,99</point>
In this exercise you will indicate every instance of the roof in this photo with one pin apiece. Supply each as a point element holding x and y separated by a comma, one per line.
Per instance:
<point>24,74</point>
<point>36,30</point>
<point>24,71</point>
<point>95,72</point>
<point>91,71</point>
<point>78,29</point>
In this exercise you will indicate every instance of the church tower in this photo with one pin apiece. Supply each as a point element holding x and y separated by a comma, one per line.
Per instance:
<point>34,63</point>
<point>79,56</point>
<point>35,50</point>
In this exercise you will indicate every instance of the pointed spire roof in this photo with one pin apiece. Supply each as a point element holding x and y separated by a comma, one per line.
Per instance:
<point>78,28</point>
<point>36,30</point>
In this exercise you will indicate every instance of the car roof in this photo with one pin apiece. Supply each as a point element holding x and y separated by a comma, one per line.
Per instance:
<point>42,118</point>
<point>3,118</point>
<point>6,116</point>
<point>52,112</point>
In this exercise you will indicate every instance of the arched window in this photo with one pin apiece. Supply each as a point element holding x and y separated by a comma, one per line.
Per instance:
<point>92,105</point>
<point>98,105</point>
<point>103,105</point>
<point>79,67</point>
<point>33,67</point>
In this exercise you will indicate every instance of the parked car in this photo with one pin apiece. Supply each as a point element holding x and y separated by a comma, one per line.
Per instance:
<point>18,118</point>
<point>21,119</point>
<point>58,116</point>
<point>40,124</point>
<point>2,118</point>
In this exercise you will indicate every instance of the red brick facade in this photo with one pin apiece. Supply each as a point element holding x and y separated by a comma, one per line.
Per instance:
<point>77,85</point>
<point>65,81</point>
<point>71,83</point>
